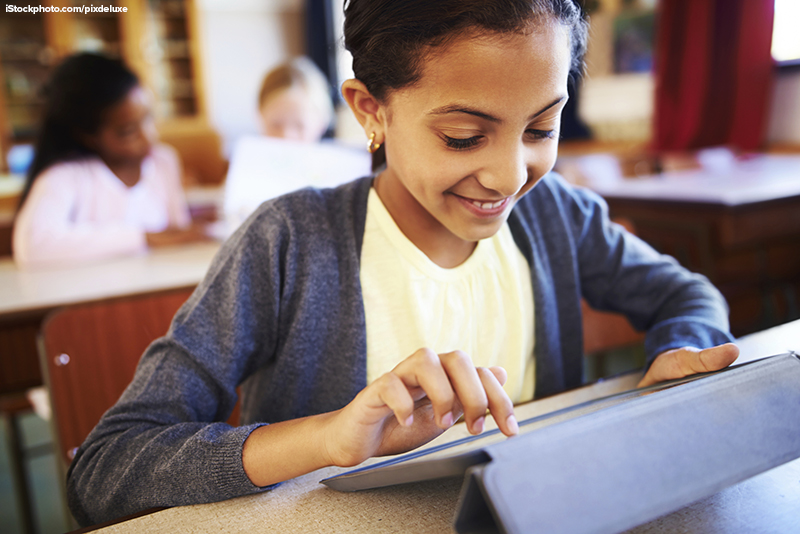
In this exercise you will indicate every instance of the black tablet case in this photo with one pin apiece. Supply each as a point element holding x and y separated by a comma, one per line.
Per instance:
<point>613,464</point>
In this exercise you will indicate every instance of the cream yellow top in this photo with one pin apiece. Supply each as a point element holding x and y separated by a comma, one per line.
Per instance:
<point>483,307</point>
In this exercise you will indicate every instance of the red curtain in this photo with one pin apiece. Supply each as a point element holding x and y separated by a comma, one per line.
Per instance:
<point>713,73</point>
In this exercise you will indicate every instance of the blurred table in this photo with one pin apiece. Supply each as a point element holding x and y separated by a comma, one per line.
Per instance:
<point>27,296</point>
<point>765,503</point>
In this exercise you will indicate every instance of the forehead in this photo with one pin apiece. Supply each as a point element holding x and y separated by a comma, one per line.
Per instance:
<point>287,102</point>
<point>509,72</point>
<point>132,107</point>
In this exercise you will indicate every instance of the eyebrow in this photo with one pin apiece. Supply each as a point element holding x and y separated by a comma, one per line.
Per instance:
<point>456,108</point>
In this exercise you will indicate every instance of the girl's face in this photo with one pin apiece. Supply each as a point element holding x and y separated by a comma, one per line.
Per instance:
<point>128,131</point>
<point>290,114</point>
<point>468,140</point>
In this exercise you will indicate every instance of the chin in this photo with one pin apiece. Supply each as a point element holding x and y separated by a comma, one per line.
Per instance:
<point>479,232</point>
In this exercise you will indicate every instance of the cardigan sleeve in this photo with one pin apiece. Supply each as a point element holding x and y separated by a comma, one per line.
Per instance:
<point>619,272</point>
<point>279,313</point>
<point>165,442</point>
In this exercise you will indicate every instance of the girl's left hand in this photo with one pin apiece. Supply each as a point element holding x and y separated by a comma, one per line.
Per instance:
<point>678,363</point>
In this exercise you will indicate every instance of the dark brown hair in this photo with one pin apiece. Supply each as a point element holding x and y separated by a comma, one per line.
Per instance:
<point>388,37</point>
<point>79,92</point>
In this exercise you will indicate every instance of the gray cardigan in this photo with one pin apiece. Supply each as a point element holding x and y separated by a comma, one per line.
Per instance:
<point>280,313</point>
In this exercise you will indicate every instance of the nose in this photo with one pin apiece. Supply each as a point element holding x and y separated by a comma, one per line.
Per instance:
<point>294,133</point>
<point>288,131</point>
<point>507,171</point>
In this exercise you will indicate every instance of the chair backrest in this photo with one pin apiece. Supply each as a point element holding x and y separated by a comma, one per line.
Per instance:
<point>89,353</point>
<point>604,331</point>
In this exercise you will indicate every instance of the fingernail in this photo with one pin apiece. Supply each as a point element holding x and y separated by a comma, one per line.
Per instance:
<point>477,426</point>
<point>410,420</point>
<point>512,424</point>
<point>447,420</point>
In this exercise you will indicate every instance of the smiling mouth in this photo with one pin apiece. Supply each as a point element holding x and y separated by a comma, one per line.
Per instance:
<point>485,208</point>
<point>488,205</point>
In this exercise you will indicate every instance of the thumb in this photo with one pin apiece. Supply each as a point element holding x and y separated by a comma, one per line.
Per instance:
<point>678,363</point>
<point>716,358</point>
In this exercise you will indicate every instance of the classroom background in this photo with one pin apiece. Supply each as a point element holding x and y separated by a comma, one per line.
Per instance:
<point>687,121</point>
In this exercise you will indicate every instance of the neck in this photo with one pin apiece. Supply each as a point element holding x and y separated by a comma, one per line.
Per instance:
<point>129,173</point>
<point>439,244</point>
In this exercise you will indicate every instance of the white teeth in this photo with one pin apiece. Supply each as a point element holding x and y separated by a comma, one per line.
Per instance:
<point>488,205</point>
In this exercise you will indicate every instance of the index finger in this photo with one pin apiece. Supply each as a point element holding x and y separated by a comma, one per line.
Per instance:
<point>468,387</point>
<point>500,406</point>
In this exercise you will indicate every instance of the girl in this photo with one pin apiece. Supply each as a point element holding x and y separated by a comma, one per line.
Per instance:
<point>295,102</point>
<point>364,320</point>
<point>98,186</point>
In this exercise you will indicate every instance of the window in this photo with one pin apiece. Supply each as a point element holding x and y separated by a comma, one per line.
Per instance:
<point>785,44</point>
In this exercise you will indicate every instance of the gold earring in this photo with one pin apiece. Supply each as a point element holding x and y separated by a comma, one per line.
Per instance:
<point>372,146</point>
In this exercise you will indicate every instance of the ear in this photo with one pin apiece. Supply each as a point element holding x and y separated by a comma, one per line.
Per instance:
<point>368,111</point>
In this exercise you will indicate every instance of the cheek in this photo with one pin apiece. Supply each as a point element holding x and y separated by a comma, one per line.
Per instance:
<point>424,171</point>
<point>110,144</point>
<point>544,158</point>
<point>273,130</point>
<point>416,153</point>
<point>130,146</point>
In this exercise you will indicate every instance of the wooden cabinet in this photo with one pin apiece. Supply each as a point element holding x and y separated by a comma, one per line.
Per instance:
<point>751,252</point>
<point>158,39</point>
<point>26,57</point>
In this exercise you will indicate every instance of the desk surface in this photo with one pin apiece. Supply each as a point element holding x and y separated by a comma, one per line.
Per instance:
<point>765,503</point>
<point>159,269</point>
<point>761,179</point>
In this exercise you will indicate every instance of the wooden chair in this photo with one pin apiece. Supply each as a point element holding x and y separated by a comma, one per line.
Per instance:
<point>603,331</point>
<point>89,353</point>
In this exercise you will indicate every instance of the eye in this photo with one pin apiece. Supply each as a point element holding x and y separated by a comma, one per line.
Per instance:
<point>127,131</point>
<point>461,144</point>
<point>539,135</point>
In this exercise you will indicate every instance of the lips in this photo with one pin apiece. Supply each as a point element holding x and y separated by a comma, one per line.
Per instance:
<point>484,208</point>
<point>488,205</point>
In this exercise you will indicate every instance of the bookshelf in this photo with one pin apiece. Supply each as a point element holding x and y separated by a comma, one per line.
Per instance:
<point>157,39</point>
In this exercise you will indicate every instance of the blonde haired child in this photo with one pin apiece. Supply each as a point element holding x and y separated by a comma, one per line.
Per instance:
<point>294,102</point>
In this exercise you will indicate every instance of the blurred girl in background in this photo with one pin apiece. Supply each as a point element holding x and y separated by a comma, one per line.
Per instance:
<point>294,102</point>
<point>99,185</point>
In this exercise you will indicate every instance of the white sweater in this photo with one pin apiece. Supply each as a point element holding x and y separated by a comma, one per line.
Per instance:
<point>79,211</point>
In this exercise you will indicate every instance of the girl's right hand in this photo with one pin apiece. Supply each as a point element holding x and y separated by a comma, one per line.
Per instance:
<point>420,398</point>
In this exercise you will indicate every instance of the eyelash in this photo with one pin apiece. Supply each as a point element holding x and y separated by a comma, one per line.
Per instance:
<point>461,144</point>
<point>470,142</point>
<point>542,134</point>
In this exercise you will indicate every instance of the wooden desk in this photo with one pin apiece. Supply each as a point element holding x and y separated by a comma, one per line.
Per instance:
<point>27,296</point>
<point>740,228</point>
<point>766,503</point>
